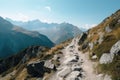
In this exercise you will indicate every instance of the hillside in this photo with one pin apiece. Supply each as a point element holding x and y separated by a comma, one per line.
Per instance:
<point>14,39</point>
<point>54,31</point>
<point>103,44</point>
<point>93,55</point>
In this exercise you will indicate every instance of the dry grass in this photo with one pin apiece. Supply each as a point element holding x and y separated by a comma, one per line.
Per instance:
<point>22,75</point>
<point>59,46</point>
<point>105,46</point>
<point>56,48</point>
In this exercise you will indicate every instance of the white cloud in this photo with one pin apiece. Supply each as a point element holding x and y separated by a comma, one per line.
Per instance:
<point>88,26</point>
<point>48,8</point>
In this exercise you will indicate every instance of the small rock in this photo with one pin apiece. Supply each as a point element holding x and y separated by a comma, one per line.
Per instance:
<point>107,29</point>
<point>101,36</point>
<point>49,64</point>
<point>91,46</point>
<point>74,75</point>
<point>94,57</point>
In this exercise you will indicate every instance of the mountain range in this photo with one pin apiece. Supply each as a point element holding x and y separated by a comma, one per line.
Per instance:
<point>14,39</point>
<point>54,31</point>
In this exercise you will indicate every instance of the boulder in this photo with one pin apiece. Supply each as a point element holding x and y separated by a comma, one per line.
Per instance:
<point>116,48</point>
<point>106,58</point>
<point>37,69</point>
<point>82,38</point>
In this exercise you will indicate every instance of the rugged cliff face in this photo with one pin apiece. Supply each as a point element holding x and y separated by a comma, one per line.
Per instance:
<point>93,55</point>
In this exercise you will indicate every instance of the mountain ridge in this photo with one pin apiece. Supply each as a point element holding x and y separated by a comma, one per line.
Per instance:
<point>53,31</point>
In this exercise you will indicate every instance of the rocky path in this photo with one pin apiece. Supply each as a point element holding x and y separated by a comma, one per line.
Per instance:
<point>75,65</point>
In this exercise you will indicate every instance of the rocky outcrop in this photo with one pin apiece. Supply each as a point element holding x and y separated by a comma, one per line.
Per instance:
<point>37,69</point>
<point>21,58</point>
<point>82,38</point>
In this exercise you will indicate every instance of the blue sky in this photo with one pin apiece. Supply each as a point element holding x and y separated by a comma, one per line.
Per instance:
<point>82,13</point>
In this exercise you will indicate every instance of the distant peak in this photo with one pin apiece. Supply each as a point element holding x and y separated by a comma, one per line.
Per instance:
<point>37,20</point>
<point>66,23</point>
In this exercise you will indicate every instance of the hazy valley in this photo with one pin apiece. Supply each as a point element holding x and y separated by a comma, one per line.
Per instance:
<point>54,31</point>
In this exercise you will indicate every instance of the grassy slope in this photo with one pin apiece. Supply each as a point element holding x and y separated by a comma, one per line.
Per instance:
<point>109,40</point>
